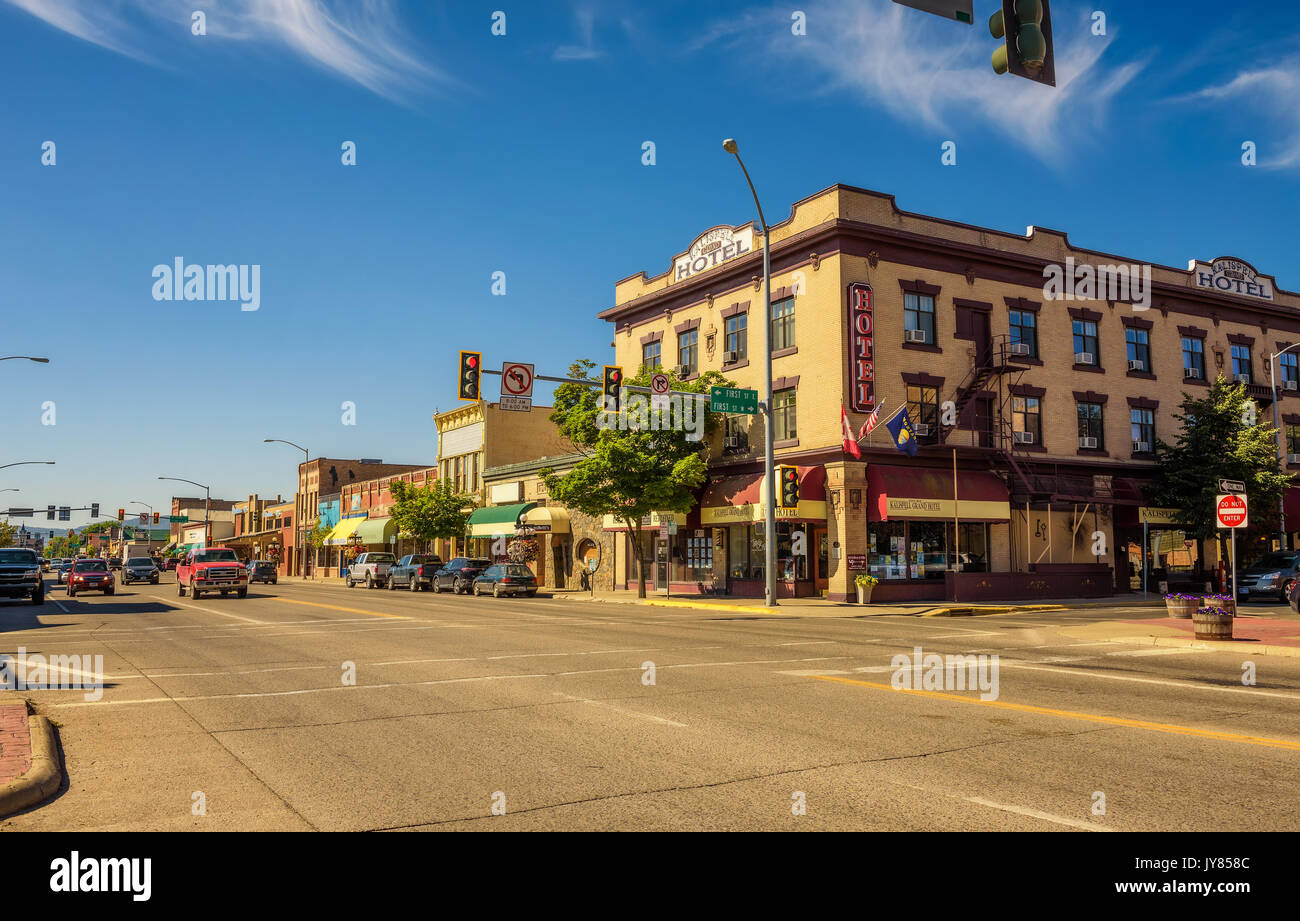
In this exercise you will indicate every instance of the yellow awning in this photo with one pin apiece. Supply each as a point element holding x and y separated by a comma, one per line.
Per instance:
<point>547,519</point>
<point>344,530</point>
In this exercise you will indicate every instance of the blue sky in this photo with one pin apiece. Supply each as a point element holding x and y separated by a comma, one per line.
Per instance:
<point>522,154</point>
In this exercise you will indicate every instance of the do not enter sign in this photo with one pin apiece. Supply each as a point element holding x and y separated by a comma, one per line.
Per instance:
<point>1230,511</point>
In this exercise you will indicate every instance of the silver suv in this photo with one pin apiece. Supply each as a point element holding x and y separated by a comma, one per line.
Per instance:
<point>139,569</point>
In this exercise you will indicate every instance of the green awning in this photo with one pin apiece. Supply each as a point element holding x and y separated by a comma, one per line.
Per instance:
<point>376,531</point>
<point>496,519</point>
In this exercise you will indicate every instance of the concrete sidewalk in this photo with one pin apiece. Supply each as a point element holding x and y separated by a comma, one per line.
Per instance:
<point>15,743</point>
<point>1252,634</point>
<point>802,607</point>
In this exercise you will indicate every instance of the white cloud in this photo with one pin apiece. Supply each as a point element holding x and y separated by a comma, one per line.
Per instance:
<point>360,40</point>
<point>1273,93</point>
<point>936,73</point>
<point>586,51</point>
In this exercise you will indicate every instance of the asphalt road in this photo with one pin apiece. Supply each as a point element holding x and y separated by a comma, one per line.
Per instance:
<point>544,710</point>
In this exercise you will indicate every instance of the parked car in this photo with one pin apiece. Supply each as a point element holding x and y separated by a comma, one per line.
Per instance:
<point>20,575</point>
<point>414,571</point>
<point>211,569</point>
<point>64,569</point>
<point>90,576</point>
<point>371,568</point>
<point>139,569</point>
<point>506,579</point>
<point>262,571</point>
<point>1271,576</point>
<point>459,574</point>
<point>170,562</point>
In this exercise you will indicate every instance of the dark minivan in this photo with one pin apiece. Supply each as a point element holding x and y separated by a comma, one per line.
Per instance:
<point>459,574</point>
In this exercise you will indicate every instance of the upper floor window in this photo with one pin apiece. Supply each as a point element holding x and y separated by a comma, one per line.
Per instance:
<point>688,351</point>
<point>1024,330</point>
<point>783,324</point>
<point>1193,358</point>
<point>650,355</point>
<point>1085,343</point>
<point>1092,434</point>
<point>1144,430</point>
<point>923,409</point>
<point>1289,365</point>
<point>918,318</point>
<point>737,337</point>
<point>1241,369</point>
<point>736,433</point>
<point>1292,442</point>
<point>1139,349</point>
<point>784,420</point>
<point>1027,420</point>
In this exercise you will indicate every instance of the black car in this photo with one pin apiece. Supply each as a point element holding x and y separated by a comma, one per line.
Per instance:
<point>506,579</point>
<point>1271,577</point>
<point>262,571</point>
<point>459,574</point>
<point>414,571</point>
<point>20,575</point>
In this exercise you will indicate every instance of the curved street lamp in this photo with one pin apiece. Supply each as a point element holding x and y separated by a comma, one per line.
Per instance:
<point>299,509</point>
<point>207,506</point>
<point>43,361</point>
<point>21,463</point>
<point>769,454</point>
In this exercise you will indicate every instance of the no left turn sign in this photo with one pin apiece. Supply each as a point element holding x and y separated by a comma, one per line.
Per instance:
<point>1230,511</point>
<point>516,379</point>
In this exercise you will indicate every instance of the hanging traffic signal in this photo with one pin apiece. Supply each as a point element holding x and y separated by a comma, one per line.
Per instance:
<point>788,482</point>
<point>155,517</point>
<point>471,364</point>
<point>49,512</point>
<point>1026,26</point>
<point>94,510</point>
<point>121,514</point>
<point>612,388</point>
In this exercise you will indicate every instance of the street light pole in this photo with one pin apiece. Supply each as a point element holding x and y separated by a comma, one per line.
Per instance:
<point>769,451</point>
<point>207,506</point>
<point>43,361</point>
<point>148,532</point>
<point>1277,441</point>
<point>302,531</point>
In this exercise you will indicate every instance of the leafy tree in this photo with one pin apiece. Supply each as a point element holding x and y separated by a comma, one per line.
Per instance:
<point>428,512</point>
<point>59,547</point>
<point>625,472</point>
<point>1221,436</point>
<point>8,534</point>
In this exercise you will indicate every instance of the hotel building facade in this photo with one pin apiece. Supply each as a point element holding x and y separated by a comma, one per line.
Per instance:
<point>1035,416</point>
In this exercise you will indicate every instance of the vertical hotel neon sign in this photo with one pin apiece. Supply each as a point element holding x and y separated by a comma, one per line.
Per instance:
<point>862,359</point>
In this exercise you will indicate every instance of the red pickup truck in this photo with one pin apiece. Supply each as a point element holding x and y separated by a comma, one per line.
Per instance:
<point>211,569</point>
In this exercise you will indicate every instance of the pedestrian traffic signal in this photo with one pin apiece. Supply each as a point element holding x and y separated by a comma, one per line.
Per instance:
<point>788,482</point>
<point>612,388</point>
<point>121,514</point>
<point>94,510</point>
<point>471,364</point>
<point>1026,27</point>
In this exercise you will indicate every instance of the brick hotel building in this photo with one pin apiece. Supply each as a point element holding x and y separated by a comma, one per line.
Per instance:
<point>1058,402</point>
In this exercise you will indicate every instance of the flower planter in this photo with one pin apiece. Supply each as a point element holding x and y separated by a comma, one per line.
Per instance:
<point>1182,608</point>
<point>1223,602</point>
<point>1212,624</point>
<point>864,594</point>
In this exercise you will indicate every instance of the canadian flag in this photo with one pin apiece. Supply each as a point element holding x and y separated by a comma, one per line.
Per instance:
<point>850,441</point>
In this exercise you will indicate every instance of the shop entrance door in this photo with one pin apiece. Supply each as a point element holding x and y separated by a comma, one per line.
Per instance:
<point>821,560</point>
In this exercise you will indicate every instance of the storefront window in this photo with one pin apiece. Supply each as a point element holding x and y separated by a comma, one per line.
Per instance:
<point>927,550</point>
<point>757,549</point>
<point>973,547</point>
<point>789,566</point>
<point>738,551</point>
<point>887,550</point>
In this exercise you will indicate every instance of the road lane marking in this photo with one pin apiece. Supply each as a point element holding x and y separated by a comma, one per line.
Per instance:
<point>623,710</point>
<point>1035,814</point>
<point>1075,715</point>
<point>336,607</point>
<point>1181,685</point>
<point>1159,652</point>
<point>199,607</point>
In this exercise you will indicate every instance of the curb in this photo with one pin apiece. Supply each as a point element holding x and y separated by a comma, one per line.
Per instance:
<point>973,611</point>
<point>43,778</point>
<point>1178,642</point>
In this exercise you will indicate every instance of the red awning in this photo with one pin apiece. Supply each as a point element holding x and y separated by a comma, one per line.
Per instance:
<point>746,489</point>
<point>1291,508</point>
<point>982,496</point>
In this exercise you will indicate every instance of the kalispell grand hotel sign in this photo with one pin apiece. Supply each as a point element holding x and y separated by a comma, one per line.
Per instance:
<point>712,248</point>
<point>1232,276</point>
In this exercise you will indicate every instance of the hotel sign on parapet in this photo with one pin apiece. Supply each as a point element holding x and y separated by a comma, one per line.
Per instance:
<point>712,248</point>
<point>1232,276</point>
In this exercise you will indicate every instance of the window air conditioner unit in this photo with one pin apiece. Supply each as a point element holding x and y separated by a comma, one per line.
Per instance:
<point>1141,447</point>
<point>1241,379</point>
<point>730,358</point>
<point>1291,385</point>
<point>1084,358</point>
<point>1192,373</point>
<point>1293,458</point>
<point>914,335</point>
<point>922,429</point>
<point>731,441</point>
<point>1019,348</point>
<point>683,370</point>
<point>1136,364</point>
<point>1023,438</point>
<point>1089,443</point>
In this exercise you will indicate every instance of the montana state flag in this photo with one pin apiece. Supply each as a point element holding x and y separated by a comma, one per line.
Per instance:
<point>900,427</point>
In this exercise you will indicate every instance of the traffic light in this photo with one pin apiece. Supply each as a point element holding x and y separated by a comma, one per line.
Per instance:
<point>94,510</point>
<point>1026,26</point>
<point>155,517</point>
<point>49,512</point>
<point>471,364</point>
<point>788,483</point>
<point>121,514</point>
<point>612,388</point>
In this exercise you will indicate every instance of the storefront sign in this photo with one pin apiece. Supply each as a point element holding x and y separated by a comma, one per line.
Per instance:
<point>892,507</point>
<point>1158,515</point>
<point>1232,276</point>
<point>808,510</point>
<point>712,248</point>
<point>856,561</point>
<point>862,359</point>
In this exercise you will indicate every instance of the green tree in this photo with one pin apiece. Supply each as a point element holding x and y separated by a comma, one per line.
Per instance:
<point>8,534</point>
<point>58,547</point>
<point>1221,435</point>
<point>424,513</point>
<point>626,472</point>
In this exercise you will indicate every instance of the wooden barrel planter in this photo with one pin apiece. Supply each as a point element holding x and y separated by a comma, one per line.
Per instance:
<point>1212,624</point>
<point>1182,606</point>
<point>1223,602</point>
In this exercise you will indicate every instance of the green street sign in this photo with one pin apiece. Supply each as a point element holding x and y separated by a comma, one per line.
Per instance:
<point>731,400</point>
<point>178,518</point>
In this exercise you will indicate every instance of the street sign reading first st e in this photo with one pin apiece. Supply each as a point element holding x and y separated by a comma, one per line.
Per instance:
<point>731,400</point>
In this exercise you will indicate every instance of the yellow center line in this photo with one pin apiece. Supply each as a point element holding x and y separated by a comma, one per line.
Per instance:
<point>335,607</point>
<point>1074,715</point>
